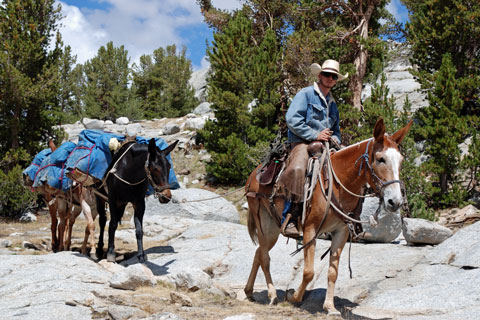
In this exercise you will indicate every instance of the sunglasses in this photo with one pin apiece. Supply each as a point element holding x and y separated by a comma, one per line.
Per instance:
<point>330,75</point>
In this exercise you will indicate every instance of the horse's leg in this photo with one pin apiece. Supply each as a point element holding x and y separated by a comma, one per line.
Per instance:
<point>72,217</point>
<point>266,241</point>
<point>52,209</point>
<point>62,209</point>
<point>308,267</point>
<point>90,228</point>
<point>116,211</point>
<point>139,208</point>
<point>102,221</point>
<point>339,239</point>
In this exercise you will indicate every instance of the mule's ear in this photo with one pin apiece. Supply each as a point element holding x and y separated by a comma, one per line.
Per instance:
<point>52,145</point>
<point>169,149</point>
<point>400,134</point>
<point>379,130</point>
<point>152,149</point>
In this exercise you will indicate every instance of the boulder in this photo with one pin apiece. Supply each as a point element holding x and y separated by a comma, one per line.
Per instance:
<point>122,121</point>
<point>421,231</point>
<point>389,225</point>
<point>171,128</point>
<point>195,123</point>
<point>203,108</point>
<point>133,277</point>
<point>93,123</point>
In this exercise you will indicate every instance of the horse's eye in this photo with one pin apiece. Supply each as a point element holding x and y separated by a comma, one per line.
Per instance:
<point>381,160</point>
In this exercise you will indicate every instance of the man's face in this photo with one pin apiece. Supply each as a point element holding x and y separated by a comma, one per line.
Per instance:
<point>327,79</point>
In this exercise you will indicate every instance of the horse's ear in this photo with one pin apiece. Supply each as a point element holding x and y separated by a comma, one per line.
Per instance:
<point>400,134</point>
<point>169,149</point>
<point>52,145</point>
<point>152,149</point>
<point>379,130</point>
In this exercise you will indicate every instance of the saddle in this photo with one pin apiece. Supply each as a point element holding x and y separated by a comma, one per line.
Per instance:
<point>269,172</point>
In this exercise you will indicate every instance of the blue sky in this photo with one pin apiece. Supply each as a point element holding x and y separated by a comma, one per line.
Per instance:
<point>145,25</point>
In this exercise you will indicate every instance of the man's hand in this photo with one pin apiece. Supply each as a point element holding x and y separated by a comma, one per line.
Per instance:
<point>324,135</point>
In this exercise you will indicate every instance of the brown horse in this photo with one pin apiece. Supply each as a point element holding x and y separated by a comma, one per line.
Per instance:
<point>374,161</point>
<point>64,207</point>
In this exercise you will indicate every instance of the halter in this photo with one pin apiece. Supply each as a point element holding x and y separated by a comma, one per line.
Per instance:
<point>380,184</point>
<point>148,177</point>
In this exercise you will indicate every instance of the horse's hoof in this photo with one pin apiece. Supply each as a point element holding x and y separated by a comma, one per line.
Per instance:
<point>111,257</point>
<point>93,256</point>
<point>142,258</point>
<point>274,301</point>
<point>332,312</point>
<point>289,295</point>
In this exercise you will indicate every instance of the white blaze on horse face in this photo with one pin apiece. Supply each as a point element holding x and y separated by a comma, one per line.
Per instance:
<point>393,193</point>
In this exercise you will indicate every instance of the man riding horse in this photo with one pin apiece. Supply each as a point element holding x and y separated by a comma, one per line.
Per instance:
<point>312,116</point>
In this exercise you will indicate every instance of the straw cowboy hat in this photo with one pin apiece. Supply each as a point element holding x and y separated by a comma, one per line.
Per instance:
<point>330,66</point>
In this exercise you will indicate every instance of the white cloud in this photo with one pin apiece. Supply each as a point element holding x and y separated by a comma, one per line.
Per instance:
<point>398,10</point>
<point>141,26</point>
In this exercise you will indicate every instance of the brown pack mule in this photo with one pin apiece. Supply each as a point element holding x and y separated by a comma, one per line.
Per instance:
<point>374,161</point>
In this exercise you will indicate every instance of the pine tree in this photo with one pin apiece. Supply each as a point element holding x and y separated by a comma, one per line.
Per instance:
<point>28,72</point>
<point>69,88</point>
<point>107,94</point>
<point>161,83</point>
<point>444,129</point>
<point>447,26</point>
<point>243,88</point>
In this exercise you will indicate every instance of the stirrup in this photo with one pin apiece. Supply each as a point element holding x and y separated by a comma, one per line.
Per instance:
<point>285,223</point>
<point>283,229</point>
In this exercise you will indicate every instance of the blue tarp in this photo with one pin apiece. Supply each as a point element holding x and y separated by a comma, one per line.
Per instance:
<point>92,154</point>
<point>52,169</point>
<point>32,169</point>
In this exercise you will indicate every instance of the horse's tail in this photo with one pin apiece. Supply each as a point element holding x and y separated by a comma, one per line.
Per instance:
<point>252,227</point>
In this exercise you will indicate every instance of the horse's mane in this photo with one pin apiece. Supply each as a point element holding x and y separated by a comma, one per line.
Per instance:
<point>352,145</point>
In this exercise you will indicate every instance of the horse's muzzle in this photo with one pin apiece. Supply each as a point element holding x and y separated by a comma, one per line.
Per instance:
<point>165,196</point>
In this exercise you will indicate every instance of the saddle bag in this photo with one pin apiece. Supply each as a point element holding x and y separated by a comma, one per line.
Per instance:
<point>269,172</point>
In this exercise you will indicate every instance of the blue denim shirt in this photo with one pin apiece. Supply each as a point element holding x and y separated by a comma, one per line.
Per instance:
<point>307,115</point>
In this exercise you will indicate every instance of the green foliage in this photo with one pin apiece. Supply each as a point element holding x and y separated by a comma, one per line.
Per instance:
<point>28,72</point>
<point>447,26</point>
<point>444,129</point>
<point>161,83</point>
<point>471,162</point>
<point>70,85</point>
<point>106,92</point>
<point>14,197</point>
<point>243,89</point>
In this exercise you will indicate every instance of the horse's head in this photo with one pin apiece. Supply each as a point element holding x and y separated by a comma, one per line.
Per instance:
<point>159,168</point>
<point>386,163</point>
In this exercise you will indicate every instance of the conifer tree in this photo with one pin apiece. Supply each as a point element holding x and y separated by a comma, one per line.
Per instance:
<point>444,129</point>
<point>28,72</point>
<point>69,88</point>
<point>447,26</point>
<point>161,83</point>
<point>107,94</point>
<point>243,88</point>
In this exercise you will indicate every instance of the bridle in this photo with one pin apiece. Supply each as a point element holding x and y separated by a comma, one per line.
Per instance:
<point>380,185</point>
<point>148,176</point>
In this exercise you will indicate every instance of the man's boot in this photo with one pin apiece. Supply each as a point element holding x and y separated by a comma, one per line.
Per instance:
<point>289,228</point>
